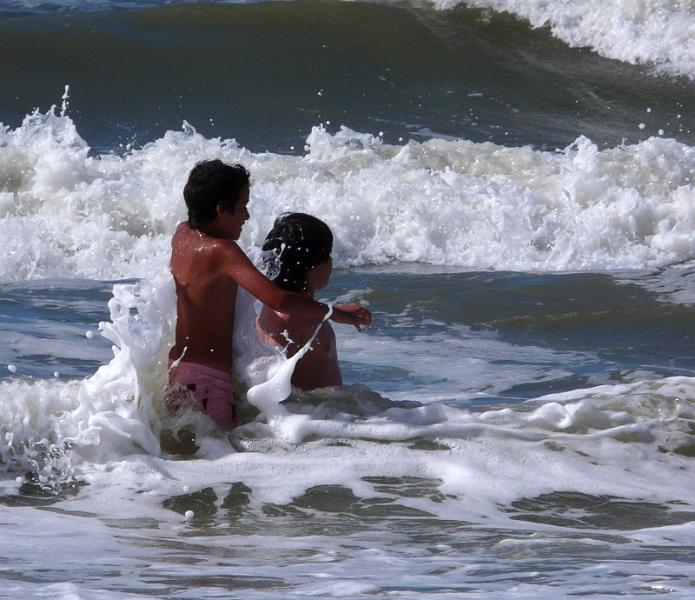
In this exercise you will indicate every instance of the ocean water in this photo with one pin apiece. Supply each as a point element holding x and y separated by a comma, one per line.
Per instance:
<point>510,186</point>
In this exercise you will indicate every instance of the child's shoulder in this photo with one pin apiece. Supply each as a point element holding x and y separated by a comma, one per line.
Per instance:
<point>273,325</point>
<point>186,238</point>
<point>283,329</point>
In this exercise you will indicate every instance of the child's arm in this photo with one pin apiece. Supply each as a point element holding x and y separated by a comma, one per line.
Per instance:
<point>358,310</point>
<point>242,270</point>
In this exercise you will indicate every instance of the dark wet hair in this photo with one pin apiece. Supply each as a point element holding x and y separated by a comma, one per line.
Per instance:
<point>212,182</point>
<point>296,243</point>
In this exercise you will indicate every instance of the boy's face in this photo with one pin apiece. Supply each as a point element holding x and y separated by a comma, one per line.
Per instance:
<point>233,221</point>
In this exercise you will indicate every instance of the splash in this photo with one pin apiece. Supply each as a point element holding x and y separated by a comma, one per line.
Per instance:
<point>49,427</point>
<point>268,395</point>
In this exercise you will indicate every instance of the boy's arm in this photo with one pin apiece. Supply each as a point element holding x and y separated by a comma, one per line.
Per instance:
<point>242,270</point>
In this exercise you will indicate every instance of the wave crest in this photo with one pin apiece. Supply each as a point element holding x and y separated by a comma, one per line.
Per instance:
<point>68,213</point>
<point>653,32</point>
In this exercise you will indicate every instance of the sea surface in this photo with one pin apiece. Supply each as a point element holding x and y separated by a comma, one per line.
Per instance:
<point>510,186</point>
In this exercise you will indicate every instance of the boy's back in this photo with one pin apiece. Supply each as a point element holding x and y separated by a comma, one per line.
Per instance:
<point>205,324</point>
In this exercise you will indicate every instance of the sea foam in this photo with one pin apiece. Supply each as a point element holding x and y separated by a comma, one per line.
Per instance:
<point>629,441</point>
<point>68,212</point>
<point>653,32</point>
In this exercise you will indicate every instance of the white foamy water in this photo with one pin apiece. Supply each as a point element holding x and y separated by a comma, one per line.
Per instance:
<point>344,492</point>
<point>628,441</point>
<point>652,32</point>
<point>67,212</point>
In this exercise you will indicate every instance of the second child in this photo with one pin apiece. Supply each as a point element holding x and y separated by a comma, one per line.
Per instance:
<point>297,257</point>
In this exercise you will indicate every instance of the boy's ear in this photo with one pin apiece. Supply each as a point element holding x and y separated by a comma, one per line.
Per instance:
<point>219,209</point>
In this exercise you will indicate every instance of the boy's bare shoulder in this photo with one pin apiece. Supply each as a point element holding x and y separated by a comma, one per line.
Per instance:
<point>187,240</point>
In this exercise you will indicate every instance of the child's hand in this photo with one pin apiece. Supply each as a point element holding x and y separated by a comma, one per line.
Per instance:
<point>352,314</point>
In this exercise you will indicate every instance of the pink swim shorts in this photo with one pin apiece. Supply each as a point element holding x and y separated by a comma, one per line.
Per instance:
<point>204,388</point>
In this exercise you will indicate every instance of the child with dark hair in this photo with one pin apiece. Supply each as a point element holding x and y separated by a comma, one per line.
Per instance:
<point>208,266</point>
<point>212,183</point>
<point>297,257</point>
<point>295,245</point>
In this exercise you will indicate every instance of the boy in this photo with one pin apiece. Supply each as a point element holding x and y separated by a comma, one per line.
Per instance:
<point>207,266</point>
<point>297,257</point>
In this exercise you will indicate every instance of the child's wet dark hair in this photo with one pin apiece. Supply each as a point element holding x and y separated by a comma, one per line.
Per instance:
<point>297,243</point>
<point>212,182</point>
